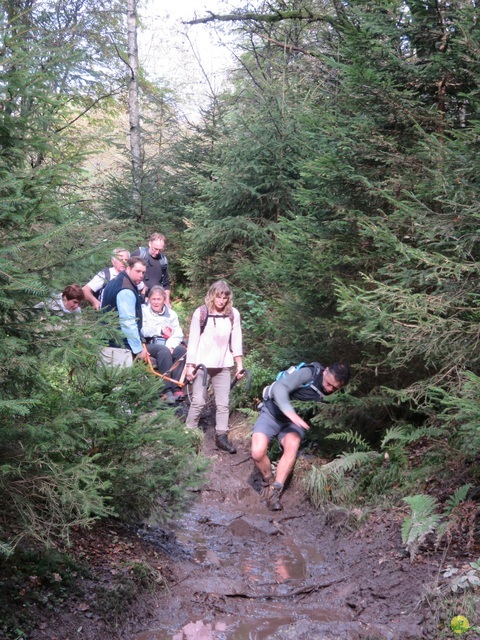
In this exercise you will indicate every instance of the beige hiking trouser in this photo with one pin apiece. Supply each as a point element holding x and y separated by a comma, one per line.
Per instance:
<point>220,379</point>
<point>115,357</point>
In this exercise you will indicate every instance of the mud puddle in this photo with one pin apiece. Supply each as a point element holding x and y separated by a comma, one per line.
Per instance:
<point>242,572</point>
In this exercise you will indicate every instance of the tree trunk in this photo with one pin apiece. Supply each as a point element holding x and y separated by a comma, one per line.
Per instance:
<point>134,111</point>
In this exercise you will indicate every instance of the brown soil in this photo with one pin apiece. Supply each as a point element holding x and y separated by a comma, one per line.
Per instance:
<point>231,569</point>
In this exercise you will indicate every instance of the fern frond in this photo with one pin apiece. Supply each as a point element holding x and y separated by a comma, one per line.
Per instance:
<point>422,504</point>
<point>422,521</point>
<point>328,483</point>
<point>395,434</point>
<point>352,437</point>
<point>424,432</point>
<point>459,496</point>
<point>346,462</point>
<point>318,487</point>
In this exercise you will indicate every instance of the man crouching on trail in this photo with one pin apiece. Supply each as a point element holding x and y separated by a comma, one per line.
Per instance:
<point>309,383</point>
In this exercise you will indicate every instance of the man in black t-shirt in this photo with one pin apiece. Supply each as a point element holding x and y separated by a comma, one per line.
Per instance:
<point>157,265</point>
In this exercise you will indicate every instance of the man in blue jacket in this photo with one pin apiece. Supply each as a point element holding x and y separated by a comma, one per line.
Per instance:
<point>308,383</point>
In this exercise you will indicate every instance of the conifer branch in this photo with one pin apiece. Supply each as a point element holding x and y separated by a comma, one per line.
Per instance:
<point>289,47</point>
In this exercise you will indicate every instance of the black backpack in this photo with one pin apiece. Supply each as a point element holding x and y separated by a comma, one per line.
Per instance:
<point>143,253</point>
<point>106,280</point>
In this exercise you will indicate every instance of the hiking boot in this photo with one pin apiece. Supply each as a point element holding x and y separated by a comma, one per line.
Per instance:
<point>223,443</point>
<point>273,498</point>
<point>168,397</point>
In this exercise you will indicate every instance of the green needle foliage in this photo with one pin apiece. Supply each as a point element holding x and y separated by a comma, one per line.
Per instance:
<point>335,184</point>
<point>79,442</point>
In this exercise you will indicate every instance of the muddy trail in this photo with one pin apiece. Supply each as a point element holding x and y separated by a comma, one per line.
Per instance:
<point>242,572</point>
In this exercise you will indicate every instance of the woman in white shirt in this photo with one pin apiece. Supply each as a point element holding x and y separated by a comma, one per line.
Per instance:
<point>215,341</point>
<point>163,335</point>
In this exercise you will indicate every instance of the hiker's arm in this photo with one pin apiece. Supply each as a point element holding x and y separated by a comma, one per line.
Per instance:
<point>89,297</point>
<point>284,387</point>
<point>236,342</point>
<point>193,340</point>
<point>296,419</point>
<point>128,322</point>
<point>240,370</point>
<point>165,282</point>
<point>143,355</point>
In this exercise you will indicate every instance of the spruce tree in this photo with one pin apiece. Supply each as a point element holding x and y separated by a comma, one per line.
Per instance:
<point>79,442</point>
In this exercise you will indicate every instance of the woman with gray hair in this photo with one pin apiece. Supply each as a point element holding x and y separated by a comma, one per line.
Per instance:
<point>163,335</point>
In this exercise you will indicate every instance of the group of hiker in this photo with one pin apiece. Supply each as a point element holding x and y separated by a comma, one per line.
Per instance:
<point>137,288</point>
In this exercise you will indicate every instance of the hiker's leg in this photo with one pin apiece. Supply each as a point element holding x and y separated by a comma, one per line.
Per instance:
<point>221,388</point>
<point>290,443</point>
<point>264,430</point>
<point>199,397</point>
<point>162,355</point>
<point>259,454</point>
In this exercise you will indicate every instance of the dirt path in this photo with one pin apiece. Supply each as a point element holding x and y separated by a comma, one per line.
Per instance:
<point>242,572</point>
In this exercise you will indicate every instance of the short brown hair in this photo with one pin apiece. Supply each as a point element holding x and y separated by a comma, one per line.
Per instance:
<point>73,292</point>
<point>133,260</point>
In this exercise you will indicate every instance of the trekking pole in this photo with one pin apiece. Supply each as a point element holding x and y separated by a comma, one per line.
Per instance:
<point>204,379</point>
<point>204,369</point>
<point>249,379</point>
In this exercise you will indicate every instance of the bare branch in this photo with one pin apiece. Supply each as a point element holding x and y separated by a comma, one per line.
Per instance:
<point>278,16</point>
<point>87,109</point>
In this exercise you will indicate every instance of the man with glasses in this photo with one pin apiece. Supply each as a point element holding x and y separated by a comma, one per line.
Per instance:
<point>309,383</point>
<point>157,265</point>
<point>94,289</point>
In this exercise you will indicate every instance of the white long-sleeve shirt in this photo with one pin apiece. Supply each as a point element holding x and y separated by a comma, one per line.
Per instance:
<point>213,348</point>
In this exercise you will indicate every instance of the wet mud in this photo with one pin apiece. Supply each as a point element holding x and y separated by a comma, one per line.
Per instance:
<point>242,572</point>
